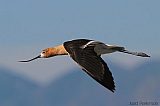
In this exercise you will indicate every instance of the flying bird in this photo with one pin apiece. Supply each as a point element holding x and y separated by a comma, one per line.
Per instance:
<point>87,54</point>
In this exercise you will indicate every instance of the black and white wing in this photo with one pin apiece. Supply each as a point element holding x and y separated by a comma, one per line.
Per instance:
<point>90,62</point>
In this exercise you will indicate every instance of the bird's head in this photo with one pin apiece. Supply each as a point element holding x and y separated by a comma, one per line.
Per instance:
<point>46,53</point>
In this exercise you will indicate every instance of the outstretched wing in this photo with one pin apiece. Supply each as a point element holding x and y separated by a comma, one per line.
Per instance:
<point>91,63</point>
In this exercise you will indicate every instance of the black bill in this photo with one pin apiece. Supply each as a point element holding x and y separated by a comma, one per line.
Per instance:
<point>31,59</point>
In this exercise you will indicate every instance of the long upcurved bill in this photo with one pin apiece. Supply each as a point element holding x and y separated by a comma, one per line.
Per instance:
<point>31,59</point>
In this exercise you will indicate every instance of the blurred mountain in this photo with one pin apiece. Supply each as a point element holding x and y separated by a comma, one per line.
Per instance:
<point>15,90</point>
<point>78,89</point>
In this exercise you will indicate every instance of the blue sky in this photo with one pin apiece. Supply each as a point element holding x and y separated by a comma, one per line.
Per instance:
<point>28,26</point>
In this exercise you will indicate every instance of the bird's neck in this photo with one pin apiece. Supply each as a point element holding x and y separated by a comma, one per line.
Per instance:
<point>59,50</point>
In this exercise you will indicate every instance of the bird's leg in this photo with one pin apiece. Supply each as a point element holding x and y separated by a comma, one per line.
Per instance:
<point>106,49</point>
<point>115,48</point>
<point>135,53</point>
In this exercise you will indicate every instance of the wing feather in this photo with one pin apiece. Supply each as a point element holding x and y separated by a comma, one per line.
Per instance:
<point>91,63</point>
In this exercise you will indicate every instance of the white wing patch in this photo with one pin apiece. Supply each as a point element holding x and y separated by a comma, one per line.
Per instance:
<point>99,47</point>
<point>84,46</point>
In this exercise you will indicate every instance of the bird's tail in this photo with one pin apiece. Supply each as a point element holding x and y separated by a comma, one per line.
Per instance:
<point>135,53</point>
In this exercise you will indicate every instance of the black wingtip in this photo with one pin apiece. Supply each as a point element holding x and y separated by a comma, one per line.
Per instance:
<point>112,90</point>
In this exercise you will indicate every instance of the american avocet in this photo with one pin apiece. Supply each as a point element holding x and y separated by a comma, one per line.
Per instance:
<point>87,53</point>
